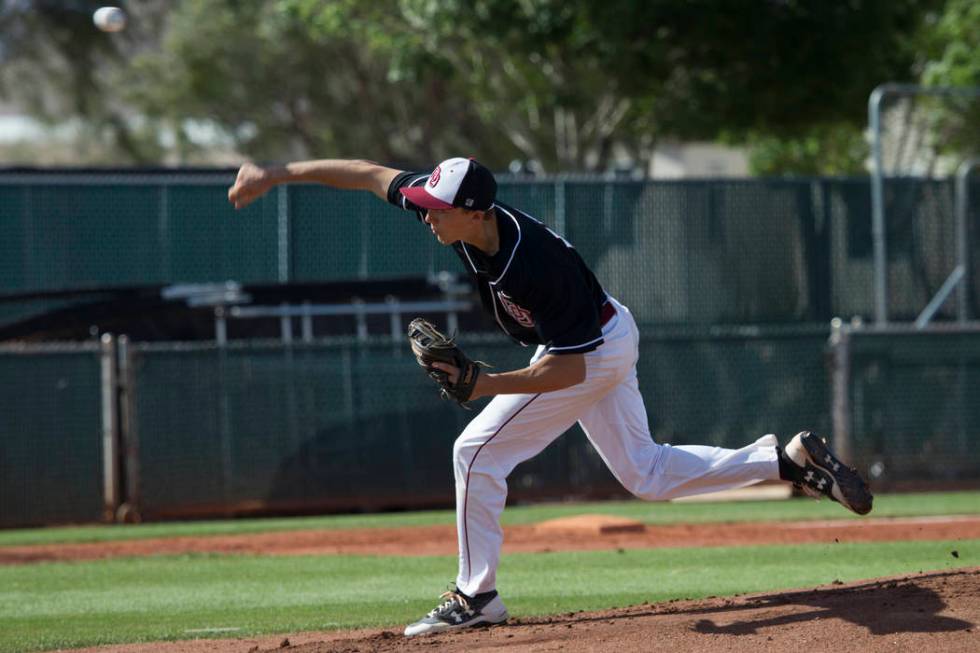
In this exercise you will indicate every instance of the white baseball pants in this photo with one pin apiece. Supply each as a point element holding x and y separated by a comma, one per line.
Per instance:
<point>608,405</point>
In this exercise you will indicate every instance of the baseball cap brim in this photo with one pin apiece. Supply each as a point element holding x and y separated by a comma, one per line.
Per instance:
<point>418,196</point>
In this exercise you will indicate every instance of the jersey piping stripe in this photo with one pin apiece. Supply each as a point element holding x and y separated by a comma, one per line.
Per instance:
<point>496,315</point>
<point>468,259</point>
<point>513,251</point>
<point>410,184</point>
<point>493,297</point>
<point>586,344</point>
<point>466,492</point>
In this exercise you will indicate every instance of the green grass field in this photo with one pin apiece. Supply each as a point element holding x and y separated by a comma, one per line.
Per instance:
<point>54,605</point>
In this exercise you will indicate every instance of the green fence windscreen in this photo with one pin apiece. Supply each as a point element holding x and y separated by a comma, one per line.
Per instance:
<point>351,426</point>
<point>50,435</point>
<point>914,406</point>
<point>678,252</point>
<point>344,425</point>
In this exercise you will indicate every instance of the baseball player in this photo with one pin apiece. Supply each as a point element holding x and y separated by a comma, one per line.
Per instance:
<point>540,292</point>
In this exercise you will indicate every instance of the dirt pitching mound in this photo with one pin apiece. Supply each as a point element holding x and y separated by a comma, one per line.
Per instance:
<point>934,611</point>
<point>589,525</point>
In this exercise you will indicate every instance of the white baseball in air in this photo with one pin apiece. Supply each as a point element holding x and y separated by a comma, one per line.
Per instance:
<point>109,19</point>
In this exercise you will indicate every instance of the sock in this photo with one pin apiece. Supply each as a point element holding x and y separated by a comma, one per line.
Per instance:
<point>477,597</point>
<point>788,470</point>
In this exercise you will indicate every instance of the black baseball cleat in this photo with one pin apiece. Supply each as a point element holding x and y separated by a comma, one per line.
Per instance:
<point>822,474</point>
<point>459,611</point>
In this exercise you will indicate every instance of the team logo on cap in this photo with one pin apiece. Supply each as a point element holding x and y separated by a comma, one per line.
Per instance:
<point>434,177</point>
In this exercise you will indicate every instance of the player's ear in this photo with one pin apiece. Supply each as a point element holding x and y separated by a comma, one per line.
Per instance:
<point>481,215</point>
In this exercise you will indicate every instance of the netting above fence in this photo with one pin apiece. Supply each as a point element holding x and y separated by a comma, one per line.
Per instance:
<point>691,252</point>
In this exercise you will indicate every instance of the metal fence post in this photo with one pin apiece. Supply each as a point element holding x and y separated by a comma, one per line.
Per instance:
<point>282,234</point>
<point>878,206</point>
<point>840,344</point>
<point>360,317</point>
<point>220,326</point>
<point>285,326</point>
<point>962,191</point>
<point>110,429</point>
<point>395,322</point>
<point>130,509</point>
<point>878,217</point>
<point>306,323</point>
<point>163,233</point>
<point>560,217</point>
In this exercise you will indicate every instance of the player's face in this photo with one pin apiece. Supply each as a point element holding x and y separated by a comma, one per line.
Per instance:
<point>449,225</point>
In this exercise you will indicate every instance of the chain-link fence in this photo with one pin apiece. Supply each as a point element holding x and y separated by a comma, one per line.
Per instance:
<point>341,424</point>
<point>50,434</point>
<point>346,425</point>
<point>678,252</point>
<point>906,407</point>
<point>351,426</point>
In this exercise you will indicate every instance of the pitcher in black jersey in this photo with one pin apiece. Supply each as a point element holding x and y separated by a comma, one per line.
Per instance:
<point>540,292</point>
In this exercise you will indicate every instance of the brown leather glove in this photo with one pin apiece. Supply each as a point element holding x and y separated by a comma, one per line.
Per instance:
<point>430,346</point>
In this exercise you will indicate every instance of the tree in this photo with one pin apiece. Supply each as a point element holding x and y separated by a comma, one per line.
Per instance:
<point>571,84</point>
<point>838,149</point>
<point>566,82</point>
<point>58,67</point>
<point>954,42</point>
<point>946,49</point>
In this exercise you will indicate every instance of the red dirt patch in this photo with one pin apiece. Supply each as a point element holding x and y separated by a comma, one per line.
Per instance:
<point>441,540</point>
<point>921,612</point>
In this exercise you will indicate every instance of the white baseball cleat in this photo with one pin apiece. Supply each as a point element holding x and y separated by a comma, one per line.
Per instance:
<point>459,611</point>
<point>822,474</point>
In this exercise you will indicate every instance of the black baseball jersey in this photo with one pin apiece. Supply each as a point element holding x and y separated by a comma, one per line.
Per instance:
<point>537,287</point>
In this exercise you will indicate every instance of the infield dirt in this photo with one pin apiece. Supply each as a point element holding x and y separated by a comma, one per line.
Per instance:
<point>441,540</point>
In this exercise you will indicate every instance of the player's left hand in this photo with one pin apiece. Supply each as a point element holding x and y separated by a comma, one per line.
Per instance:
<point>451,370</point>
<point>445,363</point>
<point>453,373</point>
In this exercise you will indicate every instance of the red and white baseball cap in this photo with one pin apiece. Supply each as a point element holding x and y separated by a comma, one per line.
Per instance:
<point>456,182</point>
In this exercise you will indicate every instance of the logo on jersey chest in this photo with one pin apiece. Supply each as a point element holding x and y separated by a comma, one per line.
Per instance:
<point>521,315</point>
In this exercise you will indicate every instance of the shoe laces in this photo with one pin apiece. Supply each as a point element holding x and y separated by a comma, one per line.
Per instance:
<point>448,600</point>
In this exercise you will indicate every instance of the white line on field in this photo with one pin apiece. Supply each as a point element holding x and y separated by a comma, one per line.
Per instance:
<point>212,630</point>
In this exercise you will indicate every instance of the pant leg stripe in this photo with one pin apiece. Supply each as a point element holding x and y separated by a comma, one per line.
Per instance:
<point>466,492</point>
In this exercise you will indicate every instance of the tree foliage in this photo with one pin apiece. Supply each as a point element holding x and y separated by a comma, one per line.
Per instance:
<point>570,84</point>
<point>564,82</point>
<point>55,65</point>
<point>838,149</point>
<point>954,39</point>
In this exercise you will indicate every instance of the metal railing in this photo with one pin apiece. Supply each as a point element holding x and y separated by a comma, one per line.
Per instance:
<point>359,309</point>
<point>878,217</point>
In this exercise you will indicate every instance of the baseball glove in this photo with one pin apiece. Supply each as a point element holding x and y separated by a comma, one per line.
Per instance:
<point>430,346</point>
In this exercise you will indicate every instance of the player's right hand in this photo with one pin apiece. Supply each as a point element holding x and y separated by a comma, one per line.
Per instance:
<point>252,182</point>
